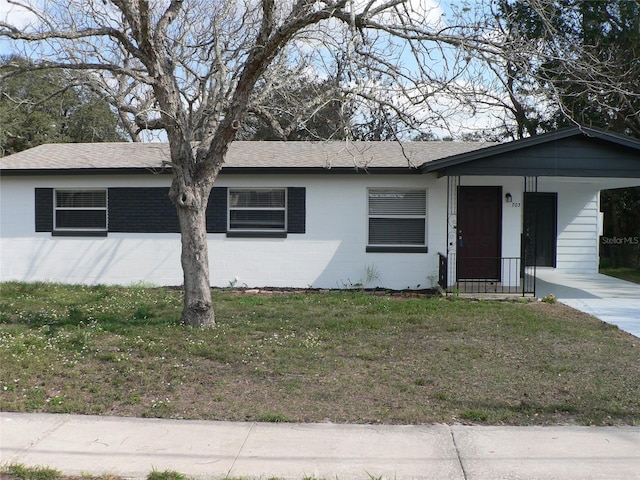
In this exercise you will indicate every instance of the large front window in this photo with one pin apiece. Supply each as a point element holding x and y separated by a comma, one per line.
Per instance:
<point>397,219</point>
<point>77,210</point>
<point>257,210</point>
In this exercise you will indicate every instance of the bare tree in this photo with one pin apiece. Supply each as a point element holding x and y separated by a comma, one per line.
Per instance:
<point>199,69</point>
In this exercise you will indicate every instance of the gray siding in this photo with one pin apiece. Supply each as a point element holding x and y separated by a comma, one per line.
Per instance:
<point>574,155</point>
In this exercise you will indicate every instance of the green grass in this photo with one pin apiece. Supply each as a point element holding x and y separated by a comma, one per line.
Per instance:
<point>22,472</point>
<point>165,475</point>
<point>308,357</point>
<point>623,273</point>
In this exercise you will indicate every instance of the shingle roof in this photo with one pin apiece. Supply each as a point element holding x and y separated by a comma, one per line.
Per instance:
<point>61,157</point>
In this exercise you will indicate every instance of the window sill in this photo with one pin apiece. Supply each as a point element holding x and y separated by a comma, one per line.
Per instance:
<point>79,233</point>
<point>396,249</point>
<point>257,234</point>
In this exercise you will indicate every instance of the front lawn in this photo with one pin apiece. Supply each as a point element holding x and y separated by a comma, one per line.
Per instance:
<point>312,357</point>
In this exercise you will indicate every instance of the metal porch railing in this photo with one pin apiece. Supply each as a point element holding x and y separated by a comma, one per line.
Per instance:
<point>503,275</point>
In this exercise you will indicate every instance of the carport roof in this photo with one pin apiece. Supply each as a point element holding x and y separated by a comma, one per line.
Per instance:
<point>572,152</point>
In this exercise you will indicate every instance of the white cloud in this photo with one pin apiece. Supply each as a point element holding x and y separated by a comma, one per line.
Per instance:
<point>423,12</point>
<point>444,114</point>
<point>16,15</point>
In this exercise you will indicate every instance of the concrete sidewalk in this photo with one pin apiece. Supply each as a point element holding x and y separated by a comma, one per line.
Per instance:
<point>134,447</point>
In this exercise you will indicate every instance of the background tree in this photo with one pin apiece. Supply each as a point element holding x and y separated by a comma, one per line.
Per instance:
<point>45,106</point>
<point>305,109</point>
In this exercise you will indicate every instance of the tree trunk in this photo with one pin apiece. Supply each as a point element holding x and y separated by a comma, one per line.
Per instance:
<point>198,307</point>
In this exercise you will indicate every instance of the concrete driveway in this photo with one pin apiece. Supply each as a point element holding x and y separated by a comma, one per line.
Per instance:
<point>609,299</point>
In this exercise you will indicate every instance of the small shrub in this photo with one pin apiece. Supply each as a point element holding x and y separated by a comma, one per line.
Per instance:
<point>551,298</point>
<point>474,415</point>
<point>143,313</point>
<point>35,399</point>
<point>166,475</point>
<point>20,472</point>
<point>442,396</point>
<point>75,316</point>
<point>273,418</point>
<point>421,382</point>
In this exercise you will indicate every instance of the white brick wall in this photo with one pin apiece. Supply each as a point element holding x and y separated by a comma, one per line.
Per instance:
<point>330,254</point>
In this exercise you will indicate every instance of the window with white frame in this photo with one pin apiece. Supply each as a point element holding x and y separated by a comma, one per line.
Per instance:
<point>257,210</point>
<point>76,210</point>
<point>397,219</point>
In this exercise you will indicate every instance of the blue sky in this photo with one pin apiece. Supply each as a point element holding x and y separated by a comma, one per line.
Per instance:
<point>431,10</point>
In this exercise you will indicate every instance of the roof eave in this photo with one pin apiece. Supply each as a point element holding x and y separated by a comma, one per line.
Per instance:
<point>15,172</point>
<point>319,170</point>
<point>225,170</point>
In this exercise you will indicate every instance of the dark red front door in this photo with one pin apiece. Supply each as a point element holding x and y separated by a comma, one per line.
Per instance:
<point>479,214</point>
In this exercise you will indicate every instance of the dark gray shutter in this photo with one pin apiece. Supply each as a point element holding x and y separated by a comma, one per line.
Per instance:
<point>217,210</point>
<point>44,209</point>
<point>142,210</point>
<point>296,210</point>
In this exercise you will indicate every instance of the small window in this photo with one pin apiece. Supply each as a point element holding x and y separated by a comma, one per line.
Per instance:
<point>397,220</point>
<point>257,210</point>
<point>80,210</point>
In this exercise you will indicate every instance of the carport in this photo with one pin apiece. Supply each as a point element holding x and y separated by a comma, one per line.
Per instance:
<point>527,205</point>
<point>611,300</point>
